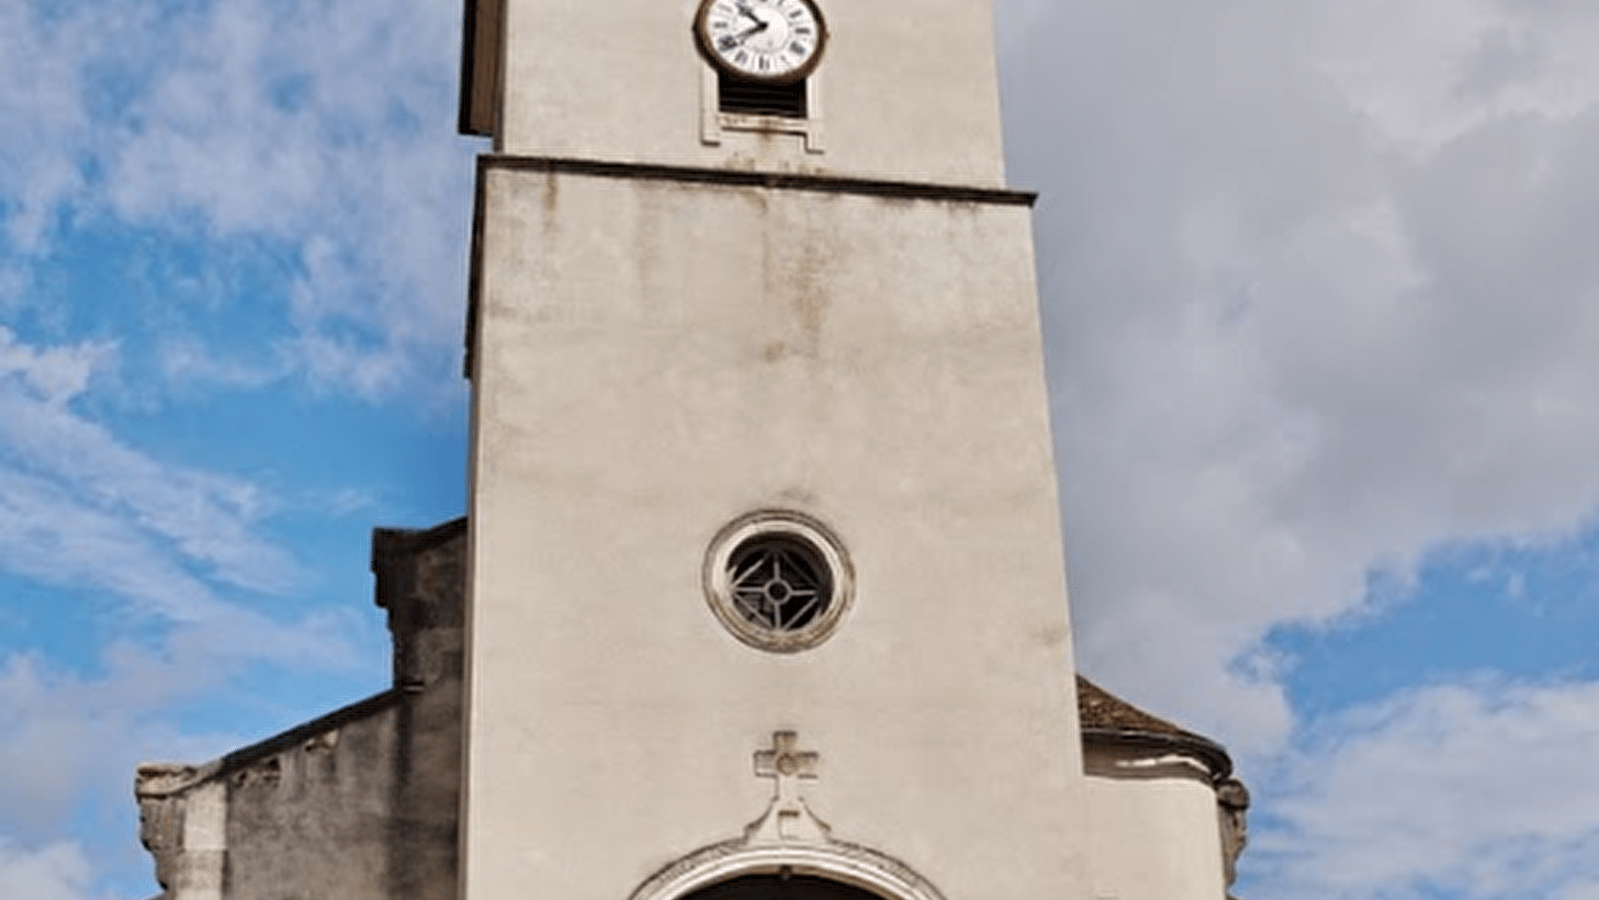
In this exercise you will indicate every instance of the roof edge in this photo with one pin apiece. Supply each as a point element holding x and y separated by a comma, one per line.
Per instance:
<point>154,780</point>
<point>1207,751</point>
<point>1107,719</point>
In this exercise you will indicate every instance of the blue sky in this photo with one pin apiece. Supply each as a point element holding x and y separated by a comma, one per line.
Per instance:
<point>1320,300</point>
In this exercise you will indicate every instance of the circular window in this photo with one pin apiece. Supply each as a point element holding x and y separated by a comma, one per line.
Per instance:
<point>778,580</point>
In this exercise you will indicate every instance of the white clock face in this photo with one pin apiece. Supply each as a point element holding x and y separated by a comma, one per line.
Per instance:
<point>764,40</point>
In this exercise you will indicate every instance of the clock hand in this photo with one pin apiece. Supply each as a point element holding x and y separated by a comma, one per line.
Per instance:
<point>744,9</point>
<point>728,42</point>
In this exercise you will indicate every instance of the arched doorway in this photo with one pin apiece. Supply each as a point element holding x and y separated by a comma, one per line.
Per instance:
<point>781,887</point>
<point>830,870</point>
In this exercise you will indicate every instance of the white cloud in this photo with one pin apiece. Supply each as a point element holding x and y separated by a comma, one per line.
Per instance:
<point>80,506</point>
<point>54,375</point>
<point>59,871</point>
<point>256,124</point>
<point>71,741</point>
<point>68,736</point>
<point>1476,790</point>
<point>1440,68</point>
<point>1319,301</point>
<point>169,552</point>
<point>187,360</point>
<point>326,127</point>
<point>41,121</point>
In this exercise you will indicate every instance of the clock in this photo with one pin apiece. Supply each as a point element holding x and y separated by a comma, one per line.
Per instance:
<point>771,41</point>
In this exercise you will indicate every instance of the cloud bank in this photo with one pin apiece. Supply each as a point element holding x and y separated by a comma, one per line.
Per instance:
<point>56,872</point>
<point>1318,306</point>
<point>1478,790</point>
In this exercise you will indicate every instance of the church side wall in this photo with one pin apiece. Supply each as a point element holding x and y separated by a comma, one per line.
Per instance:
<point>314,820</point>
<point>1154,827</point>
<point>362,811</point>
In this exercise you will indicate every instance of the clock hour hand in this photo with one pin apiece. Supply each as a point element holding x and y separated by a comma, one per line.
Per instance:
<point>728,42</point>
<point>760,25</point>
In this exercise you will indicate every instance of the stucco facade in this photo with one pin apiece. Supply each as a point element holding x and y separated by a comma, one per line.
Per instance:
<point>362,804</point>
<point>905,92</point>
<point>1161,801</point>
<point>659,353</point>
<point>685,316</point>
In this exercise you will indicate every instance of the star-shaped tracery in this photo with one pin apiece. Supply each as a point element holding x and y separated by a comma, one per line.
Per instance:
<point>779,584</point>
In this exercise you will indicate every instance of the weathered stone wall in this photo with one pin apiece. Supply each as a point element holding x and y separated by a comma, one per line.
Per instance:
<point>312,819</point>
<point>358,805</point>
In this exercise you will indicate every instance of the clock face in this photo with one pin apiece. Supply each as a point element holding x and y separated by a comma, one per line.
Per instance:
<point>776,41</point>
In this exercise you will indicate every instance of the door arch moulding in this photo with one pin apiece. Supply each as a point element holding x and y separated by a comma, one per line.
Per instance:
<point>841,861</point>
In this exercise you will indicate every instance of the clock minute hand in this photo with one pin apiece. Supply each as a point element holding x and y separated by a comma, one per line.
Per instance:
<point>746,12</point>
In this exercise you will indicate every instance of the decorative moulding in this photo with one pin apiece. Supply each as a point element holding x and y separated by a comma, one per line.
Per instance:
<point>788,839</point>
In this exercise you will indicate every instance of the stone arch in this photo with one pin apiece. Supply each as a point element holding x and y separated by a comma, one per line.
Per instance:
<point>849,866</point>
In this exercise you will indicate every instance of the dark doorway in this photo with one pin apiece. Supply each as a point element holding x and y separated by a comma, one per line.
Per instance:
<point>778,887</point>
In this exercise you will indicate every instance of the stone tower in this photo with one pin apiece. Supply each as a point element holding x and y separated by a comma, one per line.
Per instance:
<point>760,595</point>
<point>761,465</point>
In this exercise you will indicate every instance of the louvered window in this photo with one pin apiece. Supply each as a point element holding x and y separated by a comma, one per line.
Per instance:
<point>754,98</point>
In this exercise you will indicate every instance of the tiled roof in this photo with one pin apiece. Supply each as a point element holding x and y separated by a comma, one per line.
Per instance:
<point>1107,718</point>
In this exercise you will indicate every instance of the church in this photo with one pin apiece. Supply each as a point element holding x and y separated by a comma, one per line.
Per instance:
<point>760,592</point>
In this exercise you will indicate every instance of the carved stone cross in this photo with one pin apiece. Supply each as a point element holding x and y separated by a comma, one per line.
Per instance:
<point>787,819</point>
<point>785,763</point>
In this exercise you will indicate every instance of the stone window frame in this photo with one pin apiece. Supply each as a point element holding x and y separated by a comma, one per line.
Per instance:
<point>713,121</point>
<point>763,525</point>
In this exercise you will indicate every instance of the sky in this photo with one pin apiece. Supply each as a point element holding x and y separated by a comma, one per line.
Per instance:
<point>1320,285</point>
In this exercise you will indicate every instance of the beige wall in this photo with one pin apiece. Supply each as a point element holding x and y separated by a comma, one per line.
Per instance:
<point>908,90</point>
<point>656,358</point>
<point>1154,827</point>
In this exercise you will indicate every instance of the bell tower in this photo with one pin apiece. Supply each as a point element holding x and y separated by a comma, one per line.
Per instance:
<point>765,583</point>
